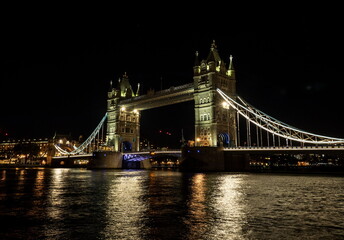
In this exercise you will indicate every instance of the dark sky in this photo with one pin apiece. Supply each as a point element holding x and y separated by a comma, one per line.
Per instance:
<point>56,69</point>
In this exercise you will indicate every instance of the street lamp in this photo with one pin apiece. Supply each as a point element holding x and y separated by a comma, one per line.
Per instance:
<point>198,140</point>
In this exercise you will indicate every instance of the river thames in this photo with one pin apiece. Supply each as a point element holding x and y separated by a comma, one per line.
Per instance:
<point>166,204</point>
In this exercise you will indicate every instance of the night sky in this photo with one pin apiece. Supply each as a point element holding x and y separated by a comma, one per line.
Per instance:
<point>56,70</point>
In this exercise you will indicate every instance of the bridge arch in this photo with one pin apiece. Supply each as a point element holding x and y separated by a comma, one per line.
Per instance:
<point>224,139</point>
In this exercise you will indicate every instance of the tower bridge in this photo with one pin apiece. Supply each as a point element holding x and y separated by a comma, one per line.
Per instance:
<point>214,125</point>
<point>223,121</point>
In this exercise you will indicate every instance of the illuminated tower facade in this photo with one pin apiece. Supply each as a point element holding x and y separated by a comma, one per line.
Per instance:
<point>215,122</point>
<point>123,125</point>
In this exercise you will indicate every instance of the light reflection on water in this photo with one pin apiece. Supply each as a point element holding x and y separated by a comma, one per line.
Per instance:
<point>228,208</point>
<point>116,204</point>
<point>125,208</point>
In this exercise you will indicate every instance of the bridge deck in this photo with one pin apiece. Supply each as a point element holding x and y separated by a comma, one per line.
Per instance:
<point>306,149</point>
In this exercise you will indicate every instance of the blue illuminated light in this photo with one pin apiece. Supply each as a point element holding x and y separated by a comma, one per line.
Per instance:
<point>198,151</point>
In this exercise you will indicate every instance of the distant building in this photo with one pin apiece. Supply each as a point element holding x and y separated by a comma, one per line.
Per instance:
<point>8,154</point>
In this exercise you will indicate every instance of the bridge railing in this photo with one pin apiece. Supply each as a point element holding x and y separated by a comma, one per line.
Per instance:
<point>340,147</point>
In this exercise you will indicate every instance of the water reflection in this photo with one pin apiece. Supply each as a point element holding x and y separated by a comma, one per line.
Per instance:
<point>196,219</point>
<point>81,204</point>
<point>165,198</point>
<point>125,208</point>
<point>228,208</point>
<point>55,198</point>
<point>3,175</point>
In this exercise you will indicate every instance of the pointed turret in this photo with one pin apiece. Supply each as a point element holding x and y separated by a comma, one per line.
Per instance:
<point>230,71</point>
<point>110,87</point>
<point>138,89</point>
<point>125,87</point>
<point>197,68</point>
<point>213,55</point>
<point>196,59</point>
<point>213,59</point>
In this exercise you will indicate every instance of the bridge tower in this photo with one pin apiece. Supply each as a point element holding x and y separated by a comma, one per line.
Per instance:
<point>215,122</point>
<point>123,125</point>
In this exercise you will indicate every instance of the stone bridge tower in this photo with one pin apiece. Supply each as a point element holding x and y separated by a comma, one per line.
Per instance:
<point>123,125</point>
<point>215,122</point>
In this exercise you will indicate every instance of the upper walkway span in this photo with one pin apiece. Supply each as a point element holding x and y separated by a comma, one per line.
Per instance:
<point>161,98</point>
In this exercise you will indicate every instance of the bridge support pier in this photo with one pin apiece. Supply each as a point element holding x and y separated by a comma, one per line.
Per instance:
<point>106,159</point>
<point>213,159</point>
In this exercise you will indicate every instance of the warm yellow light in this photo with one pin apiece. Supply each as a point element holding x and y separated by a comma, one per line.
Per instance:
<point>61,141</point>
<point>135,111</point>
<point>198,139</point>
<point>122,108</point>
<point>225,105</point>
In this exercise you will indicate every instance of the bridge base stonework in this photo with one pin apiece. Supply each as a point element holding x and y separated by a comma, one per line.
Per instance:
<point>114,160</point>
<point>213,159</point>
<point>106,159</point>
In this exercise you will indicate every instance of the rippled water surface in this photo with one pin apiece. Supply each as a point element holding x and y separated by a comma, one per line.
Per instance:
<point>119,204</point>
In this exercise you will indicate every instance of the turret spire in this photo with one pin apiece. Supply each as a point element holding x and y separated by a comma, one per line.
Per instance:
<point>213,55</point>
<point>230,71</point>
<point>196,59</point>
<point>138,89</point>
<point>110,88</point>
<point>213,46</point>
<point>230,67</point>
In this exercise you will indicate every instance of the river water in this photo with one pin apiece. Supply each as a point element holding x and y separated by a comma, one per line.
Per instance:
<point>163,204</point>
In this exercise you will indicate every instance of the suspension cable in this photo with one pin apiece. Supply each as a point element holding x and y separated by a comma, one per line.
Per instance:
<point>275,126</point>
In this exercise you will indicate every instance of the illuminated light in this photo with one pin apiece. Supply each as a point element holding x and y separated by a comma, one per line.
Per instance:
<point>61,141</point>
<point>122,108</point>
<point>67,142</point>
<point>198,151</point>
<point>135,111</point>
<point>198,139</point>
<point>225,105</point>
